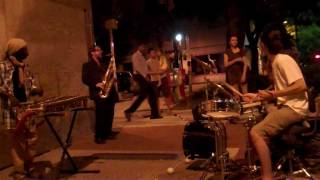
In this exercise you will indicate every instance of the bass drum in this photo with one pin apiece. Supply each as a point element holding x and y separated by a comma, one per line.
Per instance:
<point>199,139</point>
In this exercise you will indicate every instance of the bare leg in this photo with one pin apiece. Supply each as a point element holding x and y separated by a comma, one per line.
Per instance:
<point>271,108</point>
<point>16,152</point>
<point>16,160</point>
<point>22,147</point>
<point>30,149</point>
<point>244,88</point>
<point>235,86</point>
<point>168,104</point>
<point>264,155</point>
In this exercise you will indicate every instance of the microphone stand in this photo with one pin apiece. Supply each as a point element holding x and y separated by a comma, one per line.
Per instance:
<point>205,68</point>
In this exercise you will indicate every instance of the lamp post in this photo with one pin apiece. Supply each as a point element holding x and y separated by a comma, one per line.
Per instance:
<point>178,52</point>
<point>179,65</point>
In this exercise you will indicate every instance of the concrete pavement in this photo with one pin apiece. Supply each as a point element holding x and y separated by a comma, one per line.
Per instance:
<point>143,150</point>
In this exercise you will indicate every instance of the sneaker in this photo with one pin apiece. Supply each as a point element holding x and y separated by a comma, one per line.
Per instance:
<point>114,133</point>
<point>100,141</point>
<point>156,117</point>
<point>127,115</point>
<point>112,136</point>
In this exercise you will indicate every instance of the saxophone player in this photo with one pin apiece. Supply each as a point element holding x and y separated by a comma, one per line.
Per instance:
<point>93,73</point>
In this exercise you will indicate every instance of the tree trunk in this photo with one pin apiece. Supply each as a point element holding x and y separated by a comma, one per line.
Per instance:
<point>235,21</point>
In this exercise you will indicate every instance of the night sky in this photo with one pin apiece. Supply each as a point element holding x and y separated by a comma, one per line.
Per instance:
<point>156,20</point>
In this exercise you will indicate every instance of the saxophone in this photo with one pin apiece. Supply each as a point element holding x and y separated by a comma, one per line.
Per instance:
<point>109,78</point>
<point>33,87</point>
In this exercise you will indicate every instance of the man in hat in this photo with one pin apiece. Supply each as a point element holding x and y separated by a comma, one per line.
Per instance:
<point>11,85</point>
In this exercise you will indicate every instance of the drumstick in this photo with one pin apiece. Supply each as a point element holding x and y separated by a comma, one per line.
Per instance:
<point>234,89</point>
<point>250,105</point>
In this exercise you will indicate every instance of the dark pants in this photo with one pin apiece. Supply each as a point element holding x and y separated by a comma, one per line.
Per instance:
<point>147,90</point>
<point>104,119</point>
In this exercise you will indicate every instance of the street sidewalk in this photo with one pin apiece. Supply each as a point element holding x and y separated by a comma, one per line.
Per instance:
<point>144,148</point>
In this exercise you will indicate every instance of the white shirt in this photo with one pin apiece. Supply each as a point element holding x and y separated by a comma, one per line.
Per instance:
<point>285,72</point>
<point>139,64</point>
<point>154,67</point>
<point>164,66</point>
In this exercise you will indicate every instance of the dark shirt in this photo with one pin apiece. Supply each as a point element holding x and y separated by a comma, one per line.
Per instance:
<point>18,90</point>
<point>234,72</point>
<point>232,56</point>
<point>92,74</point>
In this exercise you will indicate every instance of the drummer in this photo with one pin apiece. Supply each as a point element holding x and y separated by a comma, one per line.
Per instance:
<point>290,93</point>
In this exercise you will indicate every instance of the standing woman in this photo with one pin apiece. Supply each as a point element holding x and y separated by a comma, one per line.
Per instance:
<point>235,65</point>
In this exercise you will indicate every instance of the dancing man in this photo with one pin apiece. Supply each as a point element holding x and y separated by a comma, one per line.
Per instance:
<point>146,90</point>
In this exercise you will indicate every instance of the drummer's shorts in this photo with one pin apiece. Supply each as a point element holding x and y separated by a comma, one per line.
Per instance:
<point>277,121</point>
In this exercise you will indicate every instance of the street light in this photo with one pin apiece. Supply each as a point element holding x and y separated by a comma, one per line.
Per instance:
<point>178,37</point>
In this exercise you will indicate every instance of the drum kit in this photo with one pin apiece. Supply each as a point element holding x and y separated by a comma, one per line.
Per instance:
<point>206,137</point>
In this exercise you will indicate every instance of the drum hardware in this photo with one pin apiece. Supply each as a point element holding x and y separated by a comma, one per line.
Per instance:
<point>214,166</point>
<point>218,87</point>
<point>219,105</point>
<point>219,111</point>
<point>248,124</point>
<point>224,117</point>
<point>215,92</point>
<point>216,112</point>
<point>218,160</point>
<point>206,69</point>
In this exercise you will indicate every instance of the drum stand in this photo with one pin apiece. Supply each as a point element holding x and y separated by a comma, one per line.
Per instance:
<point>212,165</point>
<point>218,160</point>
<point>251,168</point>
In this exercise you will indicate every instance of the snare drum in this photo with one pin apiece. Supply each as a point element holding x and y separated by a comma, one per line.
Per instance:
<point>219,105</point>
<point>251,117</point>
<point>223,115</point>
<point>253,112</point>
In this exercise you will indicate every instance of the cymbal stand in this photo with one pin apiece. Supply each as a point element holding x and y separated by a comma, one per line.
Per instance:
<point>206,80</point>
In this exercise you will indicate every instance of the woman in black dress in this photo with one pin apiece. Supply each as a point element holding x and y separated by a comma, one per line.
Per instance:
<point>236,65</point>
